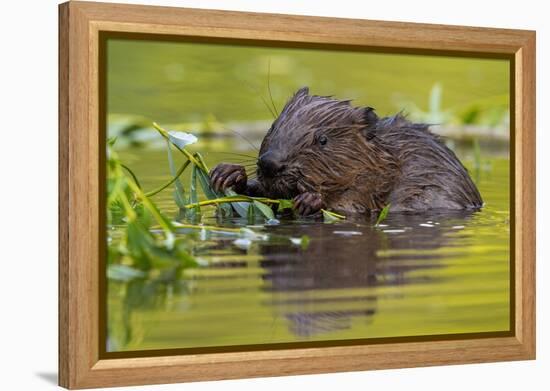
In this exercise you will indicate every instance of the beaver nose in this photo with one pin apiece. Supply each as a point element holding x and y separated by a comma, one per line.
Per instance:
<point>270,164</point>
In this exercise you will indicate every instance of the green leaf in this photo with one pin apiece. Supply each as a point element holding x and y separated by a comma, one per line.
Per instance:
<point>162,258</point>
<point>138,243</point>
<point>193,196</point>
<point>265,209</point>
<point>284,204</point>
<point>179,191</point>
<point>242,208</point>
<point>383,214</point>
<point>251,213</point>
<point>165,223</point>
<point>207,189</point>
<point>181,252</point>
<point>143,215</point>
<point>329,217</point>
<point>211,194</point>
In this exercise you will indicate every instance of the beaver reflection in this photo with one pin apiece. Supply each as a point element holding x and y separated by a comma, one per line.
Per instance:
<point>320,289</point>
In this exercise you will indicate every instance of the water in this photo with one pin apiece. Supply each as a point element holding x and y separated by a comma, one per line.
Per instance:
<point>413,275</point>
<point>172,82</point>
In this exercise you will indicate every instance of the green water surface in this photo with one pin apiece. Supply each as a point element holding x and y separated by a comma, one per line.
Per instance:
<point>414,275</point>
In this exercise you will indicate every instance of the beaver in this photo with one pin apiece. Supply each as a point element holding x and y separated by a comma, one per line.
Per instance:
<point>325,153</point>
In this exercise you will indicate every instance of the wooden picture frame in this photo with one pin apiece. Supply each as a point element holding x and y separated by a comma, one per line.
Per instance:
<point>80,183</point>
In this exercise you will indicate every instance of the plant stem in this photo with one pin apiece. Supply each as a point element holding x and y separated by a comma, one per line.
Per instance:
<point>134,177</point>
<point>161,188</point>
<point>207,227</point>
<point>199,158</point>
<point>130,212</point>
<point>231,199</point>
<point>166,225</point>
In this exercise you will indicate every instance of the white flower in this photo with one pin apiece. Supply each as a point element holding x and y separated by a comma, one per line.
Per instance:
<point>181,139</point>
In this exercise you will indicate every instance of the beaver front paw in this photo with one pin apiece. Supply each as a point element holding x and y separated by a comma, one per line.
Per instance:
<point>307,204</point>
<point>226,175</point>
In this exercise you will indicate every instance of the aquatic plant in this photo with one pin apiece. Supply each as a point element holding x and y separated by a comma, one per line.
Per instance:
<point>330,217</point>
<point>147,239</point>
<point>138,250</point>
<point>382,215</point>
<point>225,203</point>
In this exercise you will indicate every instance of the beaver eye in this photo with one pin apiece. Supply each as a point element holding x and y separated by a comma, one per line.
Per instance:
<point>323,140</point>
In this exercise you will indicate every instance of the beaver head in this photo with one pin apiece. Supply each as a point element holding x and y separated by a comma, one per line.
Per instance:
<point>317,144</point>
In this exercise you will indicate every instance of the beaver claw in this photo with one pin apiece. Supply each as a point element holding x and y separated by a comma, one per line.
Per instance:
<point>307,204</point>
<point>226,175</point>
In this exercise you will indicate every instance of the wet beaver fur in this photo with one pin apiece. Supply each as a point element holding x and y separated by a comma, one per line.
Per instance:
<point>326,153</point>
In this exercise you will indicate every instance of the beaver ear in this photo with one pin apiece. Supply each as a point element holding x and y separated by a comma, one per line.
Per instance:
<point>370,119</point>
<point>304,91</point>
<point>370,116</point>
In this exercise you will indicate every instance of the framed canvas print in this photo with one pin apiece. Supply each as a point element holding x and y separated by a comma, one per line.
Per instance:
<point>248,195</point>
